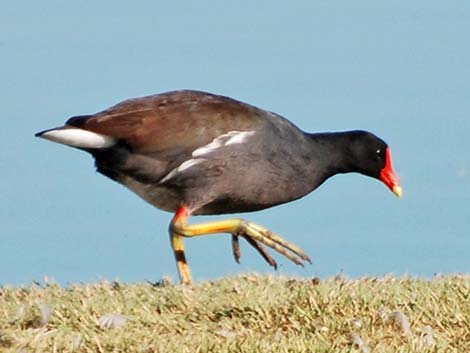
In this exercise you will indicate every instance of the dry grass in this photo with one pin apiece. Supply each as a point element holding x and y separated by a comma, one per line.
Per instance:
<point>249,313</point>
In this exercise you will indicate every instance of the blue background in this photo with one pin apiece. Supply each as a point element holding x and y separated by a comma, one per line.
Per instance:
<point>399,69</point>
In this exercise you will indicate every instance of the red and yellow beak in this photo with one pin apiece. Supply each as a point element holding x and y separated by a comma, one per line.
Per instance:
<point>388,176</point>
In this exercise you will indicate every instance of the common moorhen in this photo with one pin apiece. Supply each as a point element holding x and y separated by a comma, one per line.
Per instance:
<point>192,152</point>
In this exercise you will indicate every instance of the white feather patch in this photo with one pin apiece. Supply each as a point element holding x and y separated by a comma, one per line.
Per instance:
<point>79,138</point>
<point>183,166</point>
<point>239,138</point>
<point>229,138</point>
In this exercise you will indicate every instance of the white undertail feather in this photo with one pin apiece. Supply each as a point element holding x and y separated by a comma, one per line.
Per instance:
<point>75,137</point>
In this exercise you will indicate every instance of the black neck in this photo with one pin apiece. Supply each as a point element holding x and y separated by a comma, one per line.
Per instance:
<point>332,151</point>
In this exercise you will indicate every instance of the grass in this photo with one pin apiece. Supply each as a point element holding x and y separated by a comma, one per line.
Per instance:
<point>249,313</point>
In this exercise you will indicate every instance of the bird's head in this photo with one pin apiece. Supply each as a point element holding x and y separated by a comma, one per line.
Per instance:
<point>373,157</point>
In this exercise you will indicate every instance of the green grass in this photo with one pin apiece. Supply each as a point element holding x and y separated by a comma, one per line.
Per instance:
<point>248,313</point>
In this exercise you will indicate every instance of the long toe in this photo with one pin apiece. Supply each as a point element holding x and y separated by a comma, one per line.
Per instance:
<point>262,251</point>
<point>281,241</point>
<point>236,248</point>
<point>249,231</point>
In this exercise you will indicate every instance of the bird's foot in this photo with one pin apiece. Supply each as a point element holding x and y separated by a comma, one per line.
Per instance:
<point>257,236</point>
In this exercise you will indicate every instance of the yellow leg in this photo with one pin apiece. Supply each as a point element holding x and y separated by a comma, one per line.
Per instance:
<point>183,267</point>
<point>177,245</point>
<point>254,233</point>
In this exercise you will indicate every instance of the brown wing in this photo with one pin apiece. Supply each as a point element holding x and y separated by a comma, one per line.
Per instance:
<point>179,119</point>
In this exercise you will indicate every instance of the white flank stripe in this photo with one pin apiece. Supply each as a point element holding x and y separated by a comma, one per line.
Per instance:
<point>183,166</point>
<point>79,138</point>
<point>215,144</point>
<point>229,138</point>
<point>239,138</point>
<point>188,164</point>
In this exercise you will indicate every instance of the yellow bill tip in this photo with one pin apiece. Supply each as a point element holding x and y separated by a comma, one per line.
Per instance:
<point>397,190</point>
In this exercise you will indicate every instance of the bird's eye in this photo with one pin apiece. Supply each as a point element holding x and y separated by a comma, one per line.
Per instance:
<point>379,154</point>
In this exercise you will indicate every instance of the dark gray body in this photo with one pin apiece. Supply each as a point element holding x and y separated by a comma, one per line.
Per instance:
<point>270,161</point>
<point>260,172</point>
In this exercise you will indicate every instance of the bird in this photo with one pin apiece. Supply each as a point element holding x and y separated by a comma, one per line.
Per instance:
<point>191,152</point>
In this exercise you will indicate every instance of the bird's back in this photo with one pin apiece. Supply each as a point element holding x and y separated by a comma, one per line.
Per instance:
<point>174,120</point>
